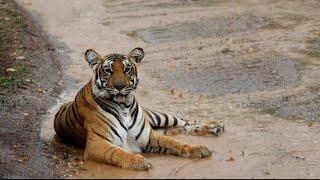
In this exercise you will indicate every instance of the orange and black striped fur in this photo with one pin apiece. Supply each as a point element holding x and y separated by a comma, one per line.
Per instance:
<point>106,119</point>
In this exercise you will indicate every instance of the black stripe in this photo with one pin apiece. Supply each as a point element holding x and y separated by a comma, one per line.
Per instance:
<point>98,85</point>
<point>159,150</point>
<point>75,119</point>
<point>157,118</point>
<point>110,134</point>
<point>134,117</point>
<point>111,127</point>
<point>107,123</point>
<point>75,114</point>
<point>148,147</point>
<point>115,132</point>
<point>64,108</point>
<point>150,116</point>
<point>103,118</point>
<point>175,121</point>
<point>98,76</point>
<point>133,103</point>
<point>149,150</point>
<point>116,115</point>
<point>141,130</point>
<point>165,150</point>
<point>101,135</point>
<point>76,106</point>
<point>61,128</point>
<point>109,109</point>
<point>166,120</point>
<point>85,100</point>
<point>149,141</point>
<point>68,118</point>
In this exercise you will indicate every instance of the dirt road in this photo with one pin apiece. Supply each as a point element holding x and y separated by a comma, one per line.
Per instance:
<point>253,65</point>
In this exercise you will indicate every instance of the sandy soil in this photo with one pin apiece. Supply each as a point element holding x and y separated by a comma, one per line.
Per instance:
<point>250,64</point>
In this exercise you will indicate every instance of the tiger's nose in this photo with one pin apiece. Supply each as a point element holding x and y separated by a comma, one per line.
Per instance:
<point>119,86</point>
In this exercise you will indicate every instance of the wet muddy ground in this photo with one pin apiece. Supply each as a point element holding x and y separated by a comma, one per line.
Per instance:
<point>253,65</point>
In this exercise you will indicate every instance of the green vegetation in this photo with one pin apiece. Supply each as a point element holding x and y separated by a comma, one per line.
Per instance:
<point>6,81</point>
<point>22,69</point>
<point>12,38</point>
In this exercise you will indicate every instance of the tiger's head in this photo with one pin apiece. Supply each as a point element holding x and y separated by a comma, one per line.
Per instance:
<point>115,76</point>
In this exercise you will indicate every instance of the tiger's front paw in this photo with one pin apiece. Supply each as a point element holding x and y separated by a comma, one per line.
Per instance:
<point>137,162</point>
<point>196,151</point>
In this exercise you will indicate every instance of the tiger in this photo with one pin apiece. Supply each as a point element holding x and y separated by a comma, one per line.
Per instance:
<point>106,119</point>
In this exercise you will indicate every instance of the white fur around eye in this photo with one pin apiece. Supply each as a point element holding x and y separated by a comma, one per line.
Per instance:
<point>109,64</point>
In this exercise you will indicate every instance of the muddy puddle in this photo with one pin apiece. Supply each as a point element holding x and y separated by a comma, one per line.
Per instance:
<point>206,28</point>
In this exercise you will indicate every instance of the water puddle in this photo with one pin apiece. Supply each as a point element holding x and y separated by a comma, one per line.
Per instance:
<point>224,78</point>
<point>206,28</point>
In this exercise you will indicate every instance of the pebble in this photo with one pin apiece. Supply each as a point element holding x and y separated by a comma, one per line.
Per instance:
<point>20,58</point>
<point>11,70</point>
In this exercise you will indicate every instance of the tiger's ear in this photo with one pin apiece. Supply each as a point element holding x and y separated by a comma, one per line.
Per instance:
<point>136,54</point>
<point>92,57</point>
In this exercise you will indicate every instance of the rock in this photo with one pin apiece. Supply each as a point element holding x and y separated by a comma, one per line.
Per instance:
<point>11,70</point>
<point>20,58</point>
<point>176,93</point>
<point>41,90</point>
<point>27,80</point>
<point>226,50</point>
<point>230,159</point>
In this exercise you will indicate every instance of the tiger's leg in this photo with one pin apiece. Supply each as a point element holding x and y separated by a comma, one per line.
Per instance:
<point>99,149</point>
<point>159,143</point>
<point>169,125</point>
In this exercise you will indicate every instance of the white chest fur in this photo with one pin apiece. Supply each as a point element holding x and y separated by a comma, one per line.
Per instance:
<point>128,137</point>
<point>130,144</point>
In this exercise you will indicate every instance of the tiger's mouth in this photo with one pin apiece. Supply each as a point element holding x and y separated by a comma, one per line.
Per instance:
<point>120,97</point>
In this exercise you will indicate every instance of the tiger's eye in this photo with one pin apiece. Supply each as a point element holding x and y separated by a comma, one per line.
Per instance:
<point>107,70</point>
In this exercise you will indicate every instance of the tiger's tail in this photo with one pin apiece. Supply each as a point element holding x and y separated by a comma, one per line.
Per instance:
<point>171,125</point>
